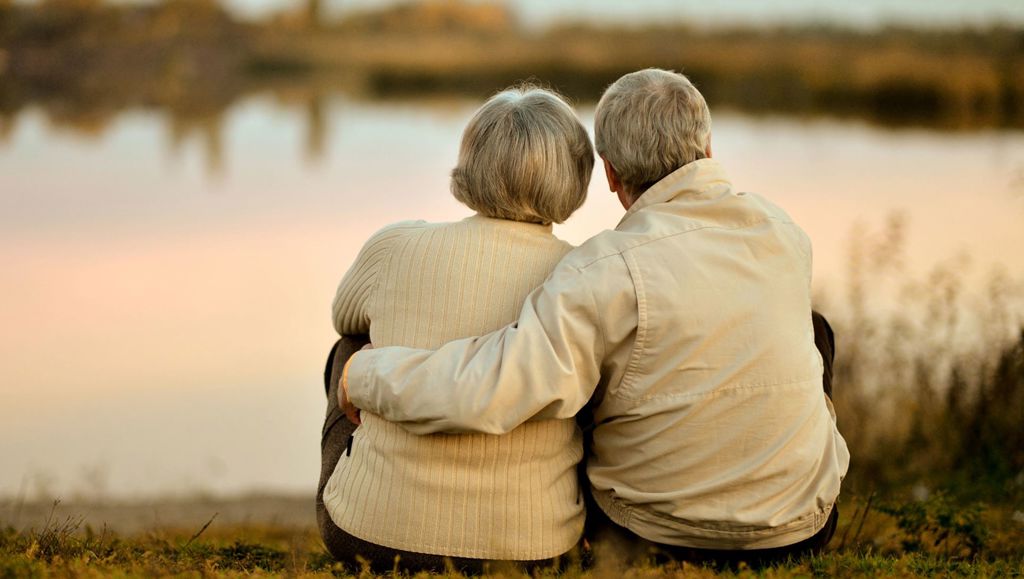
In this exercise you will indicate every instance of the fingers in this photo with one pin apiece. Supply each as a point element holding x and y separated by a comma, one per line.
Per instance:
<point>352,413</point>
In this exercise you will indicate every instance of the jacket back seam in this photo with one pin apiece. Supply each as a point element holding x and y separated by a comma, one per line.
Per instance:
<point>632,369</point>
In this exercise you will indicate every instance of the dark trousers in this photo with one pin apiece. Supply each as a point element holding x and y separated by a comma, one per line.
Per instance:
<point>351,550</point>
<point>615,543</point>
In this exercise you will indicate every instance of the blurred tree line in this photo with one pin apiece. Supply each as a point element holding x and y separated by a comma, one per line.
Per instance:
<point>90,57</point>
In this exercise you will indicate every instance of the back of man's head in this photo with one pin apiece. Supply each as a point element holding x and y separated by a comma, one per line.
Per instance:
<point>650,123</point>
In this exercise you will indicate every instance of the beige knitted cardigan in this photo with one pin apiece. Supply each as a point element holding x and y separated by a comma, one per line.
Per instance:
<point>468,495</point>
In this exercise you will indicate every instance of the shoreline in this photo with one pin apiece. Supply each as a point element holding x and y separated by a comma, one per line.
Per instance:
<point>133,516</point>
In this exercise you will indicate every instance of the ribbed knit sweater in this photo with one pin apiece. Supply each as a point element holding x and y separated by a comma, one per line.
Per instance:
<point>511,497</point>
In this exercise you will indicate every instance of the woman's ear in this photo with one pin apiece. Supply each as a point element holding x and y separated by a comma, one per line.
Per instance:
<point>707,150</point>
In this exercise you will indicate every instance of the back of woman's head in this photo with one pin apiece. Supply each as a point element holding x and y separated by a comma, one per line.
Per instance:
<point>524,156</point>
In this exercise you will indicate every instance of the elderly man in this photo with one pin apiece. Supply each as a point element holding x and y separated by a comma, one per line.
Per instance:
<point>688,329</point>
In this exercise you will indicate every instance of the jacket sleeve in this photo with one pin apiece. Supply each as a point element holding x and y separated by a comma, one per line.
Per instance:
<point>545,365</point>
<point>351,307</point>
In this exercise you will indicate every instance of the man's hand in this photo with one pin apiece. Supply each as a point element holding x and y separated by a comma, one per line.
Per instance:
<point>351,412</point>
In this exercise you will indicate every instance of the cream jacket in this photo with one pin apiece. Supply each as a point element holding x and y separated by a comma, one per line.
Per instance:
<point>690,326</point>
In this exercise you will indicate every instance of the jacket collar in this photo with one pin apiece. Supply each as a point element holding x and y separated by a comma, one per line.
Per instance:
<point>694,180</point>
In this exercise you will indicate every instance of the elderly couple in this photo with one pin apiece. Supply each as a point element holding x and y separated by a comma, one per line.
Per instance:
<point>662,389</point>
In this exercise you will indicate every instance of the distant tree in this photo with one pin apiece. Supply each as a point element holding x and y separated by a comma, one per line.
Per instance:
<point>7,27</point>
<point>73,5</point>
<point>314,13</point>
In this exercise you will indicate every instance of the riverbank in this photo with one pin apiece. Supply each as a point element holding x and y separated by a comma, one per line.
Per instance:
<point>132,517</point>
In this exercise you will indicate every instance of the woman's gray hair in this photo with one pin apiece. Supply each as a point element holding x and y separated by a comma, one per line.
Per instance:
<point>525,156</point>
<point>650,123</point>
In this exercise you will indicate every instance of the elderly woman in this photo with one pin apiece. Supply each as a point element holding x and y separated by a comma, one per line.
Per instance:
<point>525,163</point>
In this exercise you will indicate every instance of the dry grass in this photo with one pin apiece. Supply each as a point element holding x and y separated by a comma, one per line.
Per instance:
<point>929,375</point>
<point>985,542</point>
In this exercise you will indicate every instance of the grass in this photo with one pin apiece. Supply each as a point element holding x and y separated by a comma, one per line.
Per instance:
<point>876,537</point>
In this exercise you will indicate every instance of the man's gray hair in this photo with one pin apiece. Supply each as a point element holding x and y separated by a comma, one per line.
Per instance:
<point>525,156</point>
<point>650,123</point>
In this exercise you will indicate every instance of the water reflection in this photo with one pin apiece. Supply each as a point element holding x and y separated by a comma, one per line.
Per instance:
<point>158,321</point>
<point>201,121</point>
<point>316,125</point>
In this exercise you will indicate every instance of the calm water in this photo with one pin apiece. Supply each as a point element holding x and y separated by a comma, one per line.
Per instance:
<point>166,298</point>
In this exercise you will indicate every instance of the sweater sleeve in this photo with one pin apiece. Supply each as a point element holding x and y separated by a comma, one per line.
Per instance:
<point>545,365</point>
<point>351,307</point>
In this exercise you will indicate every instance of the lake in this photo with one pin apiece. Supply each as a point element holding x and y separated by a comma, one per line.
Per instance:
<point>167,290</point>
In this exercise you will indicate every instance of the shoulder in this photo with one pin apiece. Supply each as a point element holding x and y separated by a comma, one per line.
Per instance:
<point>598,252</point>
<point>780,216</point>
<point>768,207</point>
<point>596,267</point>
<point>386,237</point>
<point>554,246</point>
<point>397,230</point>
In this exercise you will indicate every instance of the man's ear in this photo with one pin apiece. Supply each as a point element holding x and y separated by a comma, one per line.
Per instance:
<point>614,185</point>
